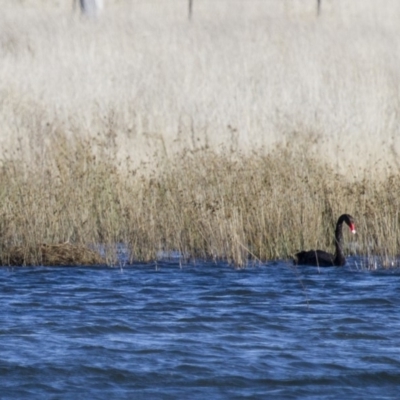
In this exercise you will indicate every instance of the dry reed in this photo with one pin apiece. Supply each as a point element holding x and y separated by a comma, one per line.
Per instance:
<point>61,254</point>
<point>202,204</point>
<point>146,130</point>
<point>245,74</point>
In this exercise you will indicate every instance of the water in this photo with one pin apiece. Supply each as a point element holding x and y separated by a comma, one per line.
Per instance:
<point>200,331</point>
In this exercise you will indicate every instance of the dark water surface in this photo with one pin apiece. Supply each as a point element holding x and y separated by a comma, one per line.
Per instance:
<point>200,331</point>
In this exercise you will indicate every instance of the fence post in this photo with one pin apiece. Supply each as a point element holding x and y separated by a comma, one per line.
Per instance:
<point>90,8</point>
<point>190,9</point>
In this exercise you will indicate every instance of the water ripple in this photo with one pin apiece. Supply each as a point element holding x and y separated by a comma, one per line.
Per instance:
<point>192,331</point>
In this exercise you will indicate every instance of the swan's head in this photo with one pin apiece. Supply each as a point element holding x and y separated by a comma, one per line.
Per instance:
<point>349,220</point>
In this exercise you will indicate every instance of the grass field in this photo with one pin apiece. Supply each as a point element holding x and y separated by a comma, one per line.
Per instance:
<point>244,133</point>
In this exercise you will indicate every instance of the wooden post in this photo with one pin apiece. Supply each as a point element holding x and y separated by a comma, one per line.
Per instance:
<point>190,9</point>
<point>318,7</point>
<point>90,8</point>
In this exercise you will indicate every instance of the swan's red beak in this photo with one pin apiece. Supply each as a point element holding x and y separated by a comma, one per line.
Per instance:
<point>353,228</point>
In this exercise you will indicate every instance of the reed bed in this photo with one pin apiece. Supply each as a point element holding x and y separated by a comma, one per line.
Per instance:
<point>202,204</point>
<point>244,75</point>
<point>61,254</point>
<point>241,135</point>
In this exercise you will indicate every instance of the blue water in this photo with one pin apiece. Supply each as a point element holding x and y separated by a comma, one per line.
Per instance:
<point>200,331</point>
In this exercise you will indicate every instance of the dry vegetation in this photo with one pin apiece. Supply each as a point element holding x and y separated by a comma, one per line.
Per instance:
<point>202,204</point>
<point>243,135</point>
<point>60,254</point>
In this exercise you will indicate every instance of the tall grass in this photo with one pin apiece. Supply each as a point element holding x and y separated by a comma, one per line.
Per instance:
<point>241,135</point>
<point>243,75</point>
<point>202,204</point>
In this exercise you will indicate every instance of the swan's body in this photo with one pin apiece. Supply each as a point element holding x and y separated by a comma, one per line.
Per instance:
<point>321,258</point>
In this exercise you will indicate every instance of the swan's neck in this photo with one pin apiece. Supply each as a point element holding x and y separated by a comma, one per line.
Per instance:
<point>339,256</point>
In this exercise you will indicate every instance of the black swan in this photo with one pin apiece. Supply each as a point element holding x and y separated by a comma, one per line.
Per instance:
<point>321,258</point>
